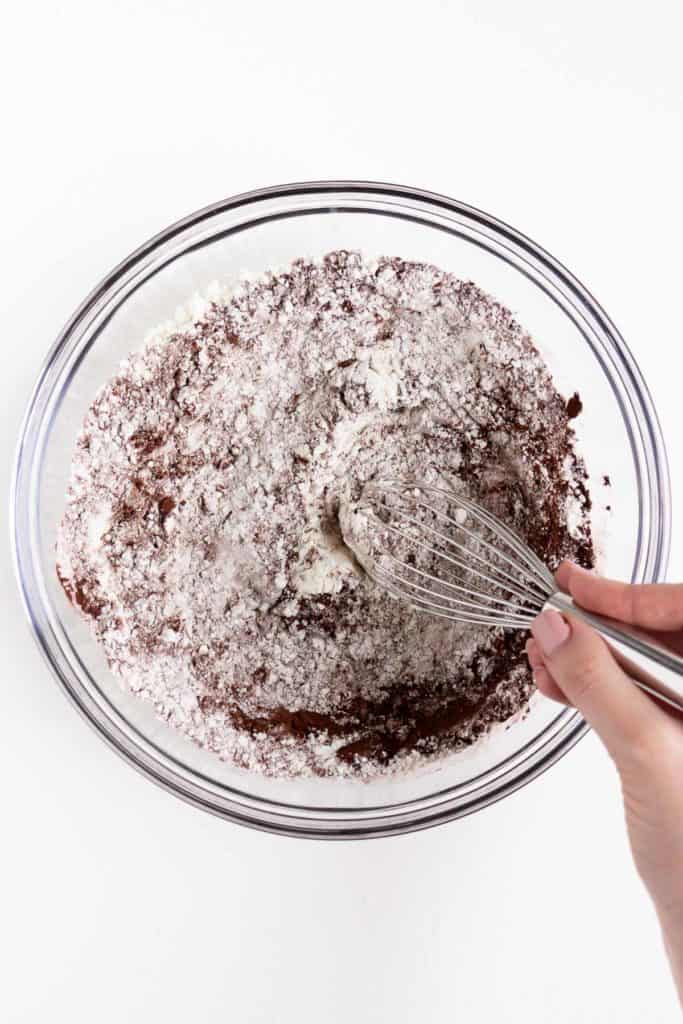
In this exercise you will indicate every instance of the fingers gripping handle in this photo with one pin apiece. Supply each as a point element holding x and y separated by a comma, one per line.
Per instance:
<point>653,667</point>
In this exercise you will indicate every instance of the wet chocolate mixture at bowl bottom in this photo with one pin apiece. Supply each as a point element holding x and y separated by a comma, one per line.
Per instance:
<point>202,538</point>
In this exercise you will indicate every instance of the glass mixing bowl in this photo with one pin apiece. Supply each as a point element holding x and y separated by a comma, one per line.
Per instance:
<point>618,434</point>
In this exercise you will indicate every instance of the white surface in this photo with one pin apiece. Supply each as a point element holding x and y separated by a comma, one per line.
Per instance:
<point>119,903</point>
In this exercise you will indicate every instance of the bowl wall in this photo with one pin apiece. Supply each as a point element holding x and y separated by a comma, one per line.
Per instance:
<point>618,436</point>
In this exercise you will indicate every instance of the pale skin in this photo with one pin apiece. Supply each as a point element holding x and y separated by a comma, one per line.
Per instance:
<point>572,664</point>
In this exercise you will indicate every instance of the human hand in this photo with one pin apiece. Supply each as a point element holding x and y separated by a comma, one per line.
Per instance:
<point>572,664</point>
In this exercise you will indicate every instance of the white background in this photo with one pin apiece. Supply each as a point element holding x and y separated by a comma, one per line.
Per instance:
<point>119,903</point>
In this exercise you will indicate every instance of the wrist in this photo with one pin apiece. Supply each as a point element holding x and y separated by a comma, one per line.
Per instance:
<point>671,918</point>
<point>671,923</point>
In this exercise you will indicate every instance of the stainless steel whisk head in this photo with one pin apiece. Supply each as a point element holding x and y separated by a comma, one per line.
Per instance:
<point>446,555</point>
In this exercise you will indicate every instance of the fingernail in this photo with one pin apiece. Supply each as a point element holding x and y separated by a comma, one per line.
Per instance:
<point>580,570</point>
<point>550,631</point>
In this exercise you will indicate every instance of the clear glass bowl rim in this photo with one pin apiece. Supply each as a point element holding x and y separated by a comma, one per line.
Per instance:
<point>296,820</point>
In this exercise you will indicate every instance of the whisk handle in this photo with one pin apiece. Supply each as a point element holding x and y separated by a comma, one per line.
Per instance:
<point>653,667</point>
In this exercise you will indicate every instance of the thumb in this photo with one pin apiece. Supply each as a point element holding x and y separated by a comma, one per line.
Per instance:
<point>582,666</point>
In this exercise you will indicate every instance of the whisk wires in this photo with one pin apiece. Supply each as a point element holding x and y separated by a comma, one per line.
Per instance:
<point>446,555</point>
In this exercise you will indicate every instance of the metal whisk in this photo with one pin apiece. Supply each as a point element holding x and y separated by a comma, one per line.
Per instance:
<point>446,555</point>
